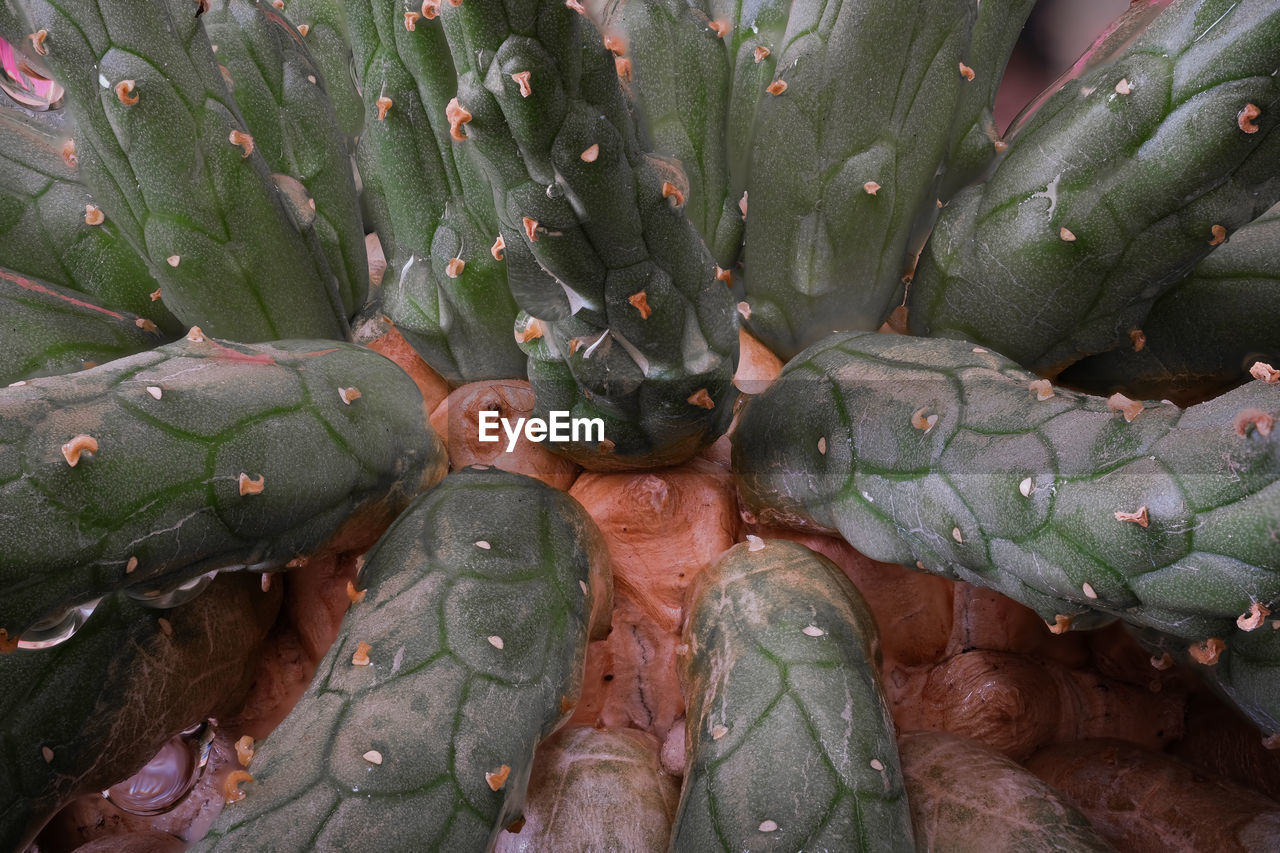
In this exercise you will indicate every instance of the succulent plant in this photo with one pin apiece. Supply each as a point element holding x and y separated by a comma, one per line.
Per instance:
<point>962,463</point>
<point>464,651</point>
<point>429,201</point>
<point>166,151</point>
<point>1112,190</point>
<point>564,199</point>
<point>624,319</point>
<point>781,660</point>
<point>52,230</point>
<point>55,330</point>
<point>324,24</point>
<point>267,451</point>
<point>1205,332</point>
<point>276,83</point>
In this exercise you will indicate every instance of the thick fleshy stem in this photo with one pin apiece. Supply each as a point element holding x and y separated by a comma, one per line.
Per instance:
<point>948,457</point>
<point>277,84</point>
<point>1112,190</point>
<point>196,200</point>
<point>152,470</point>
<point>429,202</point>
<point>478,605</point>
<point>626,319</point>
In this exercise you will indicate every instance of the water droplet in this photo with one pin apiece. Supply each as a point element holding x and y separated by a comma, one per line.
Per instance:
<point>25,85</point>
<point>172,596</point>
<point>59,628</point>
<point>166,779</point>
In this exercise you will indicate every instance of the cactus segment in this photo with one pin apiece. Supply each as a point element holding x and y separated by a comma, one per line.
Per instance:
<point>430,204</point>
<point>781,661</point>
<point>679,64</point>
<point>51,229</point>
<point>1206,331</point>
<point>950,458</point>
<point>840,170</point>
<point>634,327</point>
<point>164,150</point>
<point>475,624</point>
<point>596,789</point>
<point>329,39</point>
<point>400,162</point>
<point>967,796</point>
<point>277,84</point>
<point>975,138</point>
<point>104,700</point>
<point>152,470</point>
<point>1106,48</point>
<point>974,145</point>
<point>754,42</point>
<point>457,314</point>
<point>50,330</point>
<point>1109,193</point>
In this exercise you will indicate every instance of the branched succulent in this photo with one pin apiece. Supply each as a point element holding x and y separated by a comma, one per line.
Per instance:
<point>615,201</point>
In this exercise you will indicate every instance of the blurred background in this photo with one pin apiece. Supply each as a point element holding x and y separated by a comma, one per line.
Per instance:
<point>1055,36</point>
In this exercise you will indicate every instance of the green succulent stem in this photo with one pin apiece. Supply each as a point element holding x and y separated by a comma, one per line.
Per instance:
<point>431,206</point>
<point>629,323</point>
<point>202,455</point>
<point>51,228</point>
<point>1112,190</point>
<point>467,651</point>
<point>167,155</point>
<point>975,139</point>
<point>51,330</point>
<point>1244,670</point>
<point>1205,332</point>
<point>277,84</point>
<point>950,458</point>
<point>782,660</point>
<point>329,37</point>
<point>848,141</point>
<point>675,62</point>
